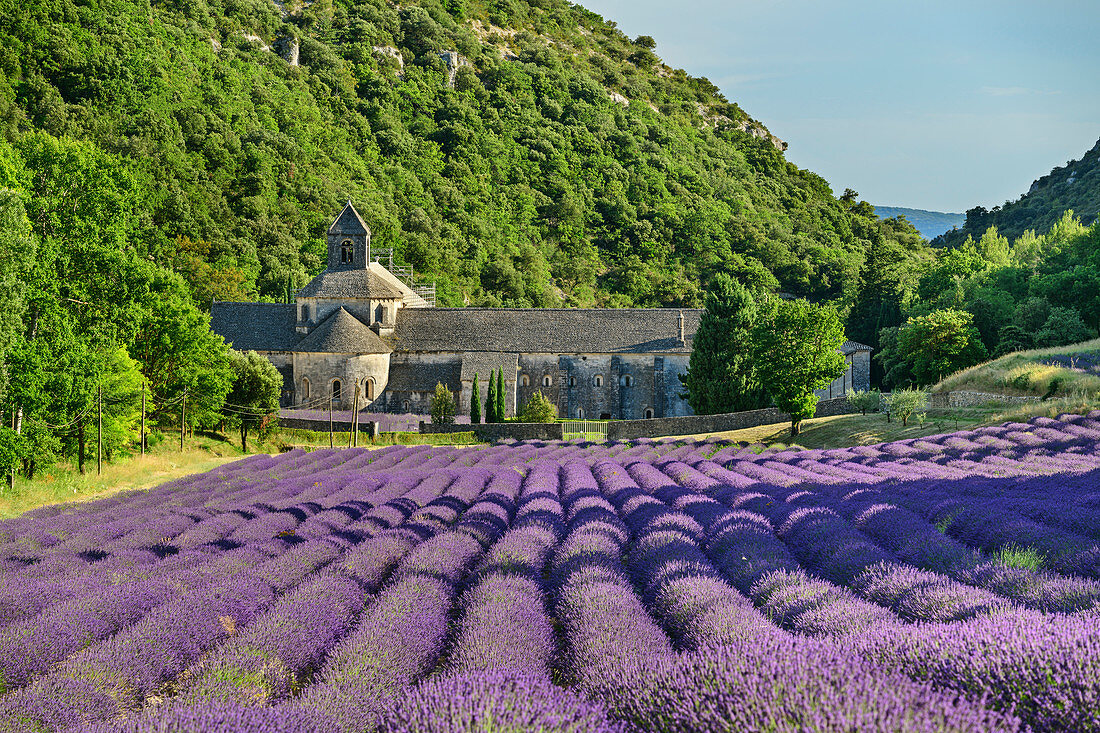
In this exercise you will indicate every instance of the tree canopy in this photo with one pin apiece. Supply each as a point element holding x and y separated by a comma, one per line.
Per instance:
<point>928,348</point>
<point>565,164</point>
<point>253,402</point>
<point>796,347</point>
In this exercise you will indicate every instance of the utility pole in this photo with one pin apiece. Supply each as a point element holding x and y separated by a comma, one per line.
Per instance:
<point>330,420</point>
<point>143,418</point>
<point>183,418</point>
<point>99,435</point>
<point>11,473</point>
<point>355,418</point>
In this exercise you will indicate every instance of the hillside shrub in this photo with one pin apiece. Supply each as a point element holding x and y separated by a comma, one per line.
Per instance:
<point>904,402</point>
<point>442,406</point>
<point>538,409</point>
<point>864,400</point>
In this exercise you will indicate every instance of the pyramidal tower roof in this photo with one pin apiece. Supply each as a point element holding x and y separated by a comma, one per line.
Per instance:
<point>342,333</point>
<point>349,222</point>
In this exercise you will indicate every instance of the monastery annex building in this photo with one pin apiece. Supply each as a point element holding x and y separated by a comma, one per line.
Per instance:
<point>359,324</point>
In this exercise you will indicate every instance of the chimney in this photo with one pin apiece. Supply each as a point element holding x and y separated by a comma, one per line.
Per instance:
<point>680,323</point>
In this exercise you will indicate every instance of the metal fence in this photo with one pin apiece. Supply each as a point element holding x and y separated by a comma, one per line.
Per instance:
<point>584,429</point>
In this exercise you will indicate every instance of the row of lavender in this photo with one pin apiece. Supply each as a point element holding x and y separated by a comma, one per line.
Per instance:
<point>663,586</point>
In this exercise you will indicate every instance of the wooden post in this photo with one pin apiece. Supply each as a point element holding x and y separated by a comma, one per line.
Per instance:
<point>183,418</point>
<point>143,418</point>
<point>330,444</point>
<point>11,473</point>
<point>99,434</point>
<point>355,418</point>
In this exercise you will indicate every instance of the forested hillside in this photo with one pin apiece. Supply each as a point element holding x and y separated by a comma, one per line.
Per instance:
<point>518,153</point>
<point>1074,186</point>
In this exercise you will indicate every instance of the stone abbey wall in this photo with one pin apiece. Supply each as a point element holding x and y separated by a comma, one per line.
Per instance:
<point>493,432</point>
<point>321,371</point>
<point>699,424</point>
<point>605,386</point>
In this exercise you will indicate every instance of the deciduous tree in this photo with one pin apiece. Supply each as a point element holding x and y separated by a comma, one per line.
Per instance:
<point>796,346</point>
<point>538,409</point>
<point>253,403</point>
<point>939,344</point>
<point>442,406</point>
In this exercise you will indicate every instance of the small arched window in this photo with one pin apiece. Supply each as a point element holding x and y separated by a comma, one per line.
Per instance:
<point>572,381</point>
<point>336,389</point>
<point>305,389</point>
<point>580,413</point>
<point>547,380</point>
<point>380,313</point>
<point>346,251</point>
<point>406,405</point>
<point>598,380</point>
<point>627,380</point>
<point>525,381</point>
<point>648,413</point>
<point>368,388</point>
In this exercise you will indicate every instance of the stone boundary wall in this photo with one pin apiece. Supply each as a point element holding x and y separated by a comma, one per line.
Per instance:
<point>695,424</point>
<point>492,432</point>
<point>366,427</point>
<point>965,398</point>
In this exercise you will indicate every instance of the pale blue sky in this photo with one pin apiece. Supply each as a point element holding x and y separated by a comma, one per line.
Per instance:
<point>940,104</point>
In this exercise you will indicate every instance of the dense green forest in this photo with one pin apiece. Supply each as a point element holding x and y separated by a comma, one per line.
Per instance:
<point>1074,186</point>
<point>555,161</point>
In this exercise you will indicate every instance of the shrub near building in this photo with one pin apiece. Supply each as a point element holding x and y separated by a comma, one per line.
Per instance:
<point>538,409</point>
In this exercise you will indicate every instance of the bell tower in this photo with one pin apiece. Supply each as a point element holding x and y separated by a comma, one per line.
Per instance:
<point>348,241</point>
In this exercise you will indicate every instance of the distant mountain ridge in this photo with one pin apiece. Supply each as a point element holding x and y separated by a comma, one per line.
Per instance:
<point>1076,186</point>
<point>930,224</point>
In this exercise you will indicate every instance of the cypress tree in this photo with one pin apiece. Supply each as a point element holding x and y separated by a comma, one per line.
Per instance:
<point>491,401</point>
<point>475,403</point>
<point>721,377</point>
<point>502,411</point>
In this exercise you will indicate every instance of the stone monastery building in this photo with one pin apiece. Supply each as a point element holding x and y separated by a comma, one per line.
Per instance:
<point>359,324</point>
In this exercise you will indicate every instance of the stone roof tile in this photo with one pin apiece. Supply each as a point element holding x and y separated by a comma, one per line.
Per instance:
<point>342,333</point>
<point>483,363</point>
<point>420,377</point>
<point>545,330</point>
<point>256,326</point>
<point>349,283</point>
<point>348,222</point>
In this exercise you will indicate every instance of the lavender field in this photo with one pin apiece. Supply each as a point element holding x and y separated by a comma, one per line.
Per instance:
<point>945,583</point>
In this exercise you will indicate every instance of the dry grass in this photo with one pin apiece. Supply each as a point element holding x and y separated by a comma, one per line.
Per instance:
<point>1019,373</point>
<point>840,431</point>
<point>63,483</point>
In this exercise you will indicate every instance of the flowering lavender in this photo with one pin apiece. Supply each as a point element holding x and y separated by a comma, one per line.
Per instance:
<point>779,683</point>
<point>270,657</point>
<point>500,701</point>
<point>945,583</point>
